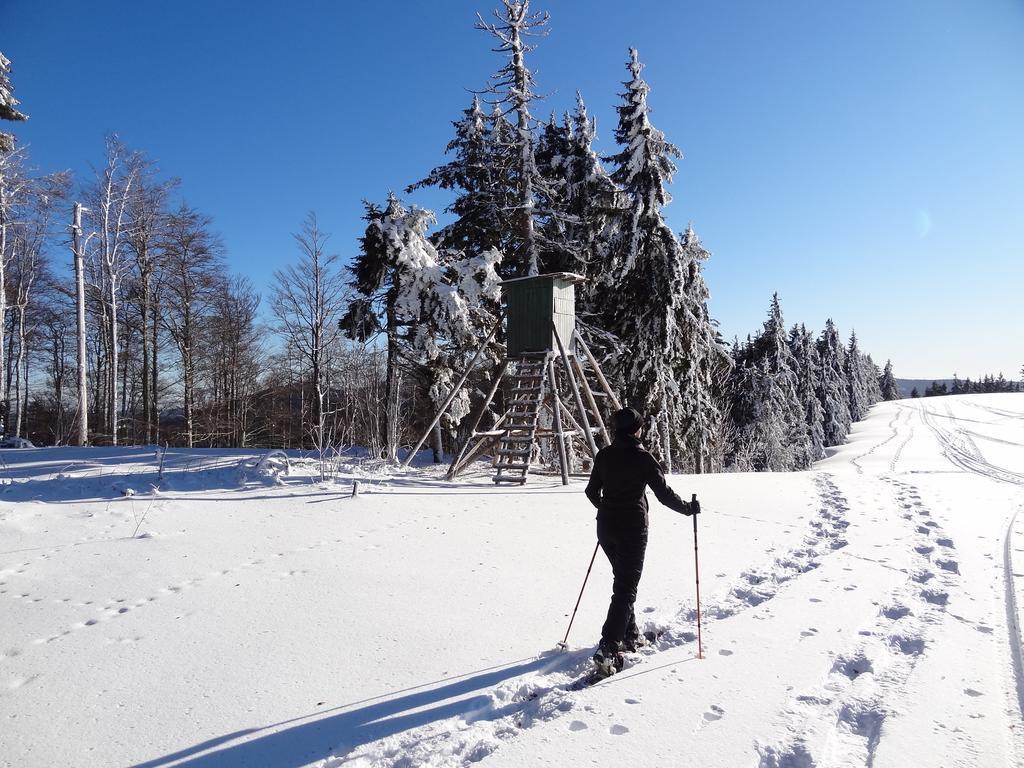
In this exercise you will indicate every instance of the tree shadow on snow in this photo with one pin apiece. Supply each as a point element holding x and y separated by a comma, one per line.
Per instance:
<point>301,741</point>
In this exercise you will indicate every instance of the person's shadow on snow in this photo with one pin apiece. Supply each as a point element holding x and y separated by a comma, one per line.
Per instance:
<point>305,742</point>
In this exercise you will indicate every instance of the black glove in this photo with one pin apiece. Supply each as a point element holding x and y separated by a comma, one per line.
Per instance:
<point>692,508</point>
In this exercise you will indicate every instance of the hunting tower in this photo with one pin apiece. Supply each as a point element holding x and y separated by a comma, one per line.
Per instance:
<point>556,395</point>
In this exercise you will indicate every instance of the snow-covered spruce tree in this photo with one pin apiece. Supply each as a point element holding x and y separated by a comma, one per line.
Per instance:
<point>872,379</point>
<point>582,199</point>
<point>8,104</point>
<point>555,225</point>
<point>771,419</point>
<point>642,290</point>
<point>833,390</point>
<point>763,432</point>
<point>426,303</point>
<point>856,381</point>
<point>807,365</point>
<point>513,87</point>
<point>702,369</point>
<point>475,173</point>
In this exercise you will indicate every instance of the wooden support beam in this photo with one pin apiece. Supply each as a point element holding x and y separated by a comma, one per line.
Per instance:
<point>597,370</point>
<point>453,469</point>
<point>588,435</point>
<point>563,459</point>
<point>455,390</point>
<point>590,400</point>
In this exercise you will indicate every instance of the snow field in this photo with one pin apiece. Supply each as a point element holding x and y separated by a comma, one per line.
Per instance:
<point>864,613</point>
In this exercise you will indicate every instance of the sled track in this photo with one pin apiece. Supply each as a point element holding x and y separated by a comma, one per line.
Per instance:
<point>840,722</point>
<point>520,703</point>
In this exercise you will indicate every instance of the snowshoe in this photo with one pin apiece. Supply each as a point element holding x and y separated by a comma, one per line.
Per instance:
<point>636,642</point>
<point>607,661</point>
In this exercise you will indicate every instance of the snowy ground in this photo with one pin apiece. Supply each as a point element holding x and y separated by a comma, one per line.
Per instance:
<point>865,613</point>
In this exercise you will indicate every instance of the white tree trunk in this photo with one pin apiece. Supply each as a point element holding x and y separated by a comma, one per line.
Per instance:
<point>83,396</point>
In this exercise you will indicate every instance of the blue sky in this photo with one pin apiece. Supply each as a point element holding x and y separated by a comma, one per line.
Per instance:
<point>864,160</point>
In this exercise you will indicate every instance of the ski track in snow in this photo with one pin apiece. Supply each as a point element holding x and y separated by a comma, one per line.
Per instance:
<point>960,450</point>
<point>526,701</point>
<point>839,722</point>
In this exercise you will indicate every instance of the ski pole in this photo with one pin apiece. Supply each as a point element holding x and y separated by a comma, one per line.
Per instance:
<point>565,641</point>
<point>696,570</point>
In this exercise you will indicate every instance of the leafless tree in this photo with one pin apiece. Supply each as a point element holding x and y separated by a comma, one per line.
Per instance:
<point>109,200</point>
<point>308,300</point>
<point>233,363</point>
<point>147,214</point>
<point>191,259</point>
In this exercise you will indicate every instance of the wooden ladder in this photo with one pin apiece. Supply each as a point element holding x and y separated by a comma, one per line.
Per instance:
<point>525,398</point>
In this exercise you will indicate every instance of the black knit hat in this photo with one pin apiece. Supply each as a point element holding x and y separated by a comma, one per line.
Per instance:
<point>627,420</point>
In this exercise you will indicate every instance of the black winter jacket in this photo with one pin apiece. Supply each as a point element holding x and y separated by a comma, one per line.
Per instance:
<point>622,471</point>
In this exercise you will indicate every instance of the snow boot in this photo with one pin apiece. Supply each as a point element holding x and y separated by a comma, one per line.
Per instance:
<point>607,660</point>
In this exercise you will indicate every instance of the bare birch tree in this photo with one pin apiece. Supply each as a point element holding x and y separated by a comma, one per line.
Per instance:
<point>110,197</point>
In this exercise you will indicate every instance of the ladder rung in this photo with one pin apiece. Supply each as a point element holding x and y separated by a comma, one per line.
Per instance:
<point>514,451</point>
<point>491,433</point>
<point>530,376</point>
<point>500,479</point>
<point>522,402</point>
<point>517,439</point>
<point>513,465</point>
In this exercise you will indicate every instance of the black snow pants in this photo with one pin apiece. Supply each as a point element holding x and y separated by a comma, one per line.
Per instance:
<point>625,548</point>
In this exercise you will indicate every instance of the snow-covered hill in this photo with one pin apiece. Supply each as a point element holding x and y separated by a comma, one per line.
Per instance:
<point>864,613</point>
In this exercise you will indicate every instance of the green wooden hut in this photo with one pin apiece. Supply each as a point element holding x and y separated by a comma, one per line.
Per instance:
<point>535,305</point>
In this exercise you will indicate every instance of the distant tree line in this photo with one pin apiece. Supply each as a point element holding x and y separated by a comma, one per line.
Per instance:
<point>982,385</point>
<point>363,353</point>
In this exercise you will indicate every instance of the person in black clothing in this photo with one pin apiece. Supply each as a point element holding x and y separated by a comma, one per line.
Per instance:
<point>618,481</point>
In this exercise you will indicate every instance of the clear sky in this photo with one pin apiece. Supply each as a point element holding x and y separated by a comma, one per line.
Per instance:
<point>865,160</point>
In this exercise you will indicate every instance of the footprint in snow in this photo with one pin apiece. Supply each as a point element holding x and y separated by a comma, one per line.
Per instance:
<point>895,612</point>
<point>935,596</point>
<point>618,730</point>
<point>577,725</point>
<point>809,632</point>
<point>973,693</point>
<point>725,652</point>
<point>714,713</point>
